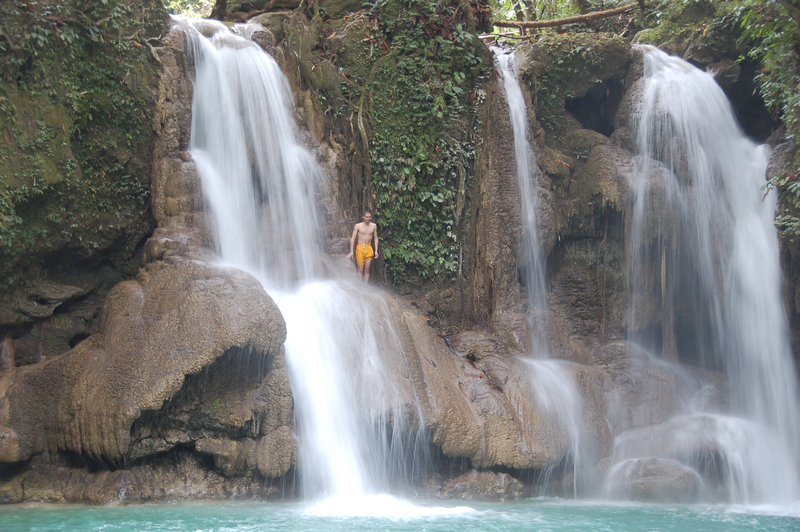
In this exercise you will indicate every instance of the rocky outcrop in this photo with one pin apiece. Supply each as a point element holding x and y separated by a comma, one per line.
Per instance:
<point>187,361</point>
<point>489,410</point>
<point>74,166</point>
<point>156,401</point>
<point>498,230</point>
<point>152,335</point>
<point>483,486</point>
<point>184,475</point>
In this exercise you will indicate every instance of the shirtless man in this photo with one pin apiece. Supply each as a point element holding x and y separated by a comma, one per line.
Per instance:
<point>367,232</point>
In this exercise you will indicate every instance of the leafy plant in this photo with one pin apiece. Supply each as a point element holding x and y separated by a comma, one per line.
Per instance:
<point>423,95</point>
<point>774,39</point>
<point>789,186</point>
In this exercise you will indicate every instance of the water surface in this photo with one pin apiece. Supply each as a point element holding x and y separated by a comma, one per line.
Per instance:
<point>539,514</point>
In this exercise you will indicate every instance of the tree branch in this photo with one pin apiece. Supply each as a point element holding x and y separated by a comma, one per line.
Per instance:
<point>561,21</point>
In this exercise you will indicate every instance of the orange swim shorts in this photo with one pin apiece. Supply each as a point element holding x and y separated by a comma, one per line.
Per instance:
<point>364,253</point>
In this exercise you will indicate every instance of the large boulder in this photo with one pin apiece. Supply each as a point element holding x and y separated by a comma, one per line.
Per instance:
<point>483,486</point>
<point>496,409</point>
<point>153,334</point>
<point>653,480</point>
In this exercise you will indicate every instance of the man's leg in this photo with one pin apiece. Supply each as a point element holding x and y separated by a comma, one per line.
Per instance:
<point>360,271</point>
<point>367,264</point>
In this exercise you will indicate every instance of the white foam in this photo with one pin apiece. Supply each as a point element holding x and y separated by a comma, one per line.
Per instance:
<point>381,506</point>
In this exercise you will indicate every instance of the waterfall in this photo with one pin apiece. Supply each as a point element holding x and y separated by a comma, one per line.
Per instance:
<point>527,173</point>
<point>551,380</point>
<point>704,266</point>
<point>358,423</point>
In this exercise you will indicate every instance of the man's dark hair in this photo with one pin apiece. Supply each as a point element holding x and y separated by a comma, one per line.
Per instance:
<point>366,213</point>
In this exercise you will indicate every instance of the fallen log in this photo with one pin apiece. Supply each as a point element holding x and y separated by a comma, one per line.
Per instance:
<point>561,21</point>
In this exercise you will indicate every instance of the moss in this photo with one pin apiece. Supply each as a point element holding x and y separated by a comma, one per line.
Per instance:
<point>568,66</point>
<point>76,100</point>
<point>35,140</point>
<point>698,30</point>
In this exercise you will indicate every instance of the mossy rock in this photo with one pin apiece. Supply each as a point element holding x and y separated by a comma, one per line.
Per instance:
<point>76,150</point>
<point>35,140</point>
<point>338,8</point>
<point>700,31</point>
<point>568,66</point>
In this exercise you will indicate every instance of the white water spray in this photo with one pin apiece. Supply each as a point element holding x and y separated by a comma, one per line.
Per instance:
<point>527,173</point>
<point>358,422</point>
<point>557,395</point>
<point>703,246</point>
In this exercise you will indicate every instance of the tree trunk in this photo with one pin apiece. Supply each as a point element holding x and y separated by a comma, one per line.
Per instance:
<point>220,9</point>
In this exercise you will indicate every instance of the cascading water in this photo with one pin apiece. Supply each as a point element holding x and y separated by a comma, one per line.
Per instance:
<point>358,423</point>
<point>704,265</point>
<point>551,380</point>
<point>527,172</point>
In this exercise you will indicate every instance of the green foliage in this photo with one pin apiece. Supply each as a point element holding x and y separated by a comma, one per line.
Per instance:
<point>773,37</point>
<point>190,8</point>
<point>789,186</point>
<point>423,94</point>
<point>538,9</point>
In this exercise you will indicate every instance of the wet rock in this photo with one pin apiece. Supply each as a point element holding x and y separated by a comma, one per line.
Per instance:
<point>276,453</point>
<point>151,337</point>
<point>9,445</point>
<point>654,480</point>
<point>7,355</point>
<point>700,53</point>
<point>36,300</point>
<point>597,186</point>
<point>644,390</point>
<point>176,478</point>
<point>475,346</point>
<point>484,486</point>
<point>691,439</point>
<point>725,73</point>
<point>623,134</point>
<point>113,487</point>
<point>230,457</point>
<point>485,410</point>
<point>498,228</point>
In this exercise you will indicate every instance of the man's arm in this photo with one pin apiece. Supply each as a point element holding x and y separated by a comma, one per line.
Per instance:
<point>353,241</point>
<point>375,238</point>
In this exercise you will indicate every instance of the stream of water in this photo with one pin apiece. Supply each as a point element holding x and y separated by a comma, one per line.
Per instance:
<point>703,256</point>
<point>551,380</point>
<point>357,421</point>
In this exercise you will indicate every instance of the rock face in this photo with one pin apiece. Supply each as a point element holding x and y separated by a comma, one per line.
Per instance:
<point>488,410</point>
<point>183,319</point>
<point>187,361</point>
<point>497,226</point>
<point>75,166</point>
